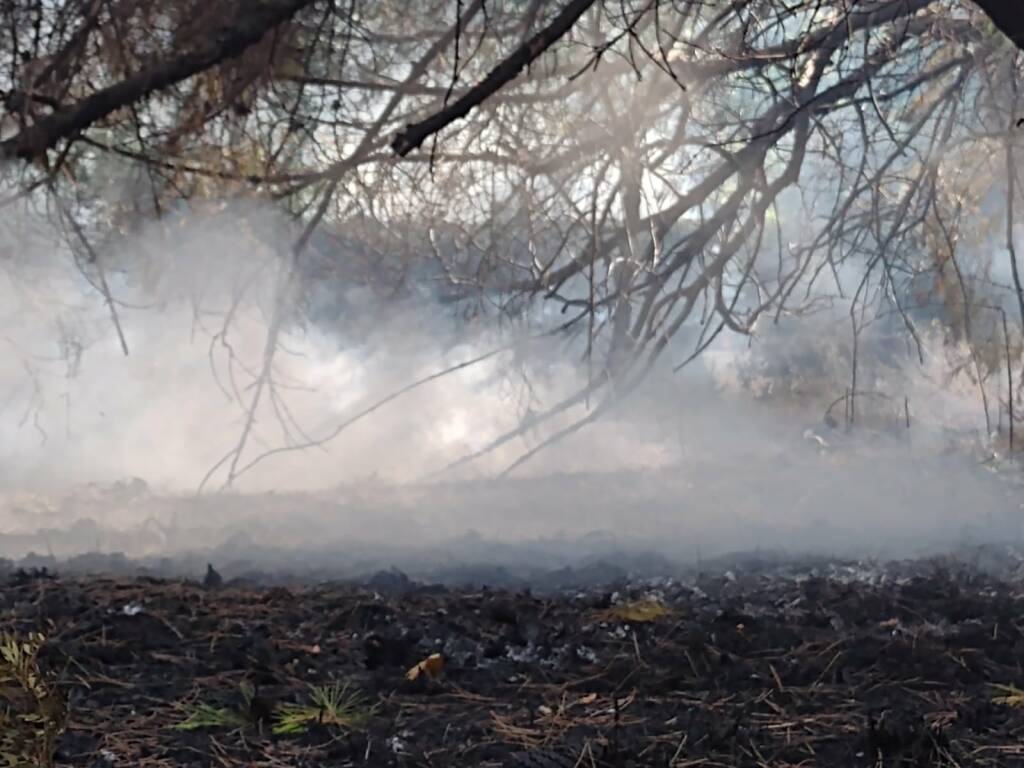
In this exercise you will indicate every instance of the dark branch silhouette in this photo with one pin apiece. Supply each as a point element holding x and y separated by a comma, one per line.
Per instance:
<point>413,136</point>
<point>1008,16</point>
<point>251,22</point>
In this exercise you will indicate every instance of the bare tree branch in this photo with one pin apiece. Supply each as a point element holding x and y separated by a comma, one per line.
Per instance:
<point>251,22</point>
<point>413,136</point>
<point>1008,16</point>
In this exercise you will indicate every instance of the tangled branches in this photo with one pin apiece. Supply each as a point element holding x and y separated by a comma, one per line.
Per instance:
<point>662,173</point>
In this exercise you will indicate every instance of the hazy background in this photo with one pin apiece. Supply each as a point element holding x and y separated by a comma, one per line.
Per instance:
<point>104,452</point>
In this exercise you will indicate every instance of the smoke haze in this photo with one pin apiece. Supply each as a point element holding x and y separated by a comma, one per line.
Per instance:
<point>694,464</point>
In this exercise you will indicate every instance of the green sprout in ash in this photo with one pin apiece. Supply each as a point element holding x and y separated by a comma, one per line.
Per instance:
<point>332,706</point>
<point>203,715</point>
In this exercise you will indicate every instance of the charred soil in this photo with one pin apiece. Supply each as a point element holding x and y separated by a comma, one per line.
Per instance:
<point>911,664</point>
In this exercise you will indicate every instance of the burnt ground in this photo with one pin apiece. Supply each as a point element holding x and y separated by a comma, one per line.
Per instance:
<point>816,665</point>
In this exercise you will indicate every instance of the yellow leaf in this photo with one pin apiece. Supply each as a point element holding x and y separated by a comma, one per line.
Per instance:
<point>1014,696</point>
<point>637,612</point>
<point>430,667</point>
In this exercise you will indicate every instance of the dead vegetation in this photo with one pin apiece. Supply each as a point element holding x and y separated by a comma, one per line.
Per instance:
<point>32,710</point>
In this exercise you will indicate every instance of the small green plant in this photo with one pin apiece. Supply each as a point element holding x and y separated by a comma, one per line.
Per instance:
<point>208,716</point>
<point>333,706</point>
<point>204,715</point>
<point>33,714</point>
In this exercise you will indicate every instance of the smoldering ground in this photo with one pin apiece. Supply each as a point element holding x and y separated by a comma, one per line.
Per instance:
<point>696,463</point>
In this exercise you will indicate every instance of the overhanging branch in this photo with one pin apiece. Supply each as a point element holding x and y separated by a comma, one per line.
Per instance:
<point>1008,16</point>
<point>416,133</point>
<point>251,22</point>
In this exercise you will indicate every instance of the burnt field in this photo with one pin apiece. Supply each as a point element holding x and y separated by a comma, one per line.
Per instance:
<point>905,664</point>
